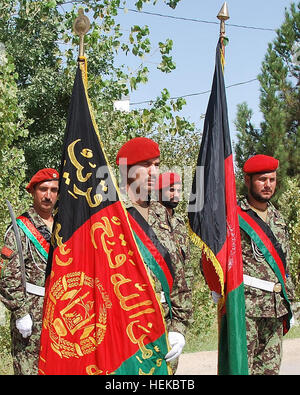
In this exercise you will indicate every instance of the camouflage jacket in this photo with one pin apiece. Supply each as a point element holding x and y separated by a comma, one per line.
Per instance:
<point>181,236</point>
<point>11,286</point>
<point>260,303</point>
<point>181,298</point>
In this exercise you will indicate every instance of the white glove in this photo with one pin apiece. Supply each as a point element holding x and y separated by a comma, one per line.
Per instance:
<point>24,325</point>
<point>177,343</point>
<point>292,321</point>
<point>215,296</point>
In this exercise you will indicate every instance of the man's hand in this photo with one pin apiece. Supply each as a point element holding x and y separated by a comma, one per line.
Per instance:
<point>177,343</point>
<point>215,296</point>
<point>24,325</point>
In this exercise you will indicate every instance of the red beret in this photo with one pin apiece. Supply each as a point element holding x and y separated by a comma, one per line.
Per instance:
<point>42,176</point>
<point>260,164</point>
<point>137,150</point>
<point>167,179</point>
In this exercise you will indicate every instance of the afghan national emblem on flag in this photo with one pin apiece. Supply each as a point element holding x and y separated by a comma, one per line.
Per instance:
<point>101,314</point>
<point>214,226</point>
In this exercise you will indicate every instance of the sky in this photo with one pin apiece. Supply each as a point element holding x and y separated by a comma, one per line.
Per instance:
<point>194,46</point>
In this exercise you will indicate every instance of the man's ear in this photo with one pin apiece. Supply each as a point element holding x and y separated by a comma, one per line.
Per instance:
<point>247,179</point>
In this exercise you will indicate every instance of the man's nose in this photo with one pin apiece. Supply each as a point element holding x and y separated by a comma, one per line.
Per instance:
<point>153,170</point>
<point>48,194</point>
<point>268,183</point>
<point>177,194</point>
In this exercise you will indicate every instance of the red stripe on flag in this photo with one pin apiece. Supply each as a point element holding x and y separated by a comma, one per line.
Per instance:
<point>230,256</point>
<point>234,276</point>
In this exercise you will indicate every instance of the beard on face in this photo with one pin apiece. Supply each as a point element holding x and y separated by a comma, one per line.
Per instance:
<point>173,203</point>
<point>257,196</point>
<point>167,201</point>
<point>170,204</point>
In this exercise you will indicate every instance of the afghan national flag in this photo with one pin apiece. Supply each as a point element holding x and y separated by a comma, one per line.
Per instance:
<point>101,314</point>
<point>214,226</point>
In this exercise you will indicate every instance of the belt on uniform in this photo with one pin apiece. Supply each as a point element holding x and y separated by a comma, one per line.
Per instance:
<point>262,284</point>
<point>35,289</point>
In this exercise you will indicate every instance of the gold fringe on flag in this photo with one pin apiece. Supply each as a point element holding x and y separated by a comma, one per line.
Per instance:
<point>210,256</point>
<point>222,57</point>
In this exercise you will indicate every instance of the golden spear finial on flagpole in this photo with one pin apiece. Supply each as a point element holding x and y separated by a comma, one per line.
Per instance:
<point>223,15</point>
<point>81,26</point>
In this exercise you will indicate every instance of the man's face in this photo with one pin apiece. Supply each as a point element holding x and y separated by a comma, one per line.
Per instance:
<point>44,196</point>
<point>171,195</point>
<point>142,176</point>
<point>261,186</point>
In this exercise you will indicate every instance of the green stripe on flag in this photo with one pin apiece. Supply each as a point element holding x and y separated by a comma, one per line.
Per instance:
<point>150,360</point>
<point>233,355</point>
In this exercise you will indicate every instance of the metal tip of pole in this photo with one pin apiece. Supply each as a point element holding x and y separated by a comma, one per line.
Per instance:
<point>223,14</point>
<point>81,26</point>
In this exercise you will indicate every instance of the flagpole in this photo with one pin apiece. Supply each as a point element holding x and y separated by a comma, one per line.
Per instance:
<point>223,16</point>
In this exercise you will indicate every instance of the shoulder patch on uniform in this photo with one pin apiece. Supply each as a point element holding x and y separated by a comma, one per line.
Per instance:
<point>6,252</point>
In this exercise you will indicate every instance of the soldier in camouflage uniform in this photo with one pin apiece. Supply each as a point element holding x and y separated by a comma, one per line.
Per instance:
<point>26,307</point>
<point>266,307</point>
<point>169,188</point>
<point>138,180</point>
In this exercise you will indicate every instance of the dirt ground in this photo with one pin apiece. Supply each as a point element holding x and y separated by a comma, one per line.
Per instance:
<point>205,363</point>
